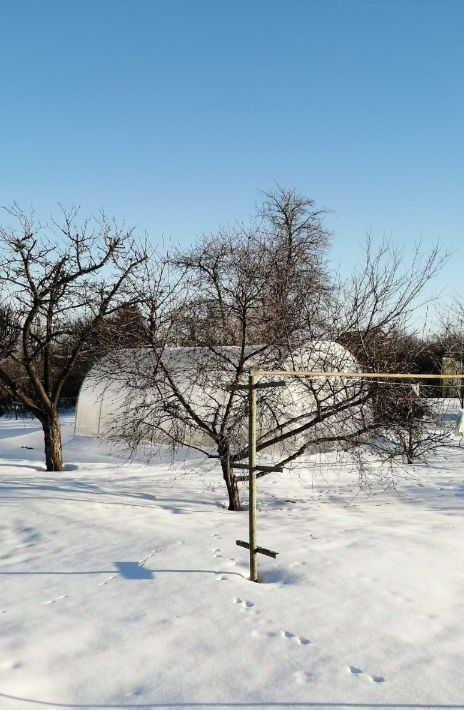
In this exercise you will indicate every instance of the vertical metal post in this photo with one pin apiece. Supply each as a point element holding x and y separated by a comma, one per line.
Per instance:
<point>252,475</point>
<point>100,415</point>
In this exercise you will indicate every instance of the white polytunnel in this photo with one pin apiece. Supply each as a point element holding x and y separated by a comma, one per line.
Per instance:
<point>116,388</point>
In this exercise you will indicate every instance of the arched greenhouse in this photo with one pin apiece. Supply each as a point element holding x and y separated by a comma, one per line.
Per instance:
<point>156,392</point>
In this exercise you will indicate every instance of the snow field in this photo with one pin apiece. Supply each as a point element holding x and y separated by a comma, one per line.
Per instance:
<point>121,585</point>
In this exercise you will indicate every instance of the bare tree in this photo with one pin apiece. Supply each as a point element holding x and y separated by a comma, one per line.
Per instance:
<point>260,297</point>
<point>293,244</point>
<point>212,306</point>
<point>58,282</point>
<point>411,424</point>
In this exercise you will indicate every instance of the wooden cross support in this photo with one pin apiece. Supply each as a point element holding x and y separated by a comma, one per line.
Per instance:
<point>274,383</point>
<point>261,550</point>
<point>256,386</point>
<point>267,469</point>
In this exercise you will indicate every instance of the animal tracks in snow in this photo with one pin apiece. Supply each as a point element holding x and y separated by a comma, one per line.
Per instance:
<point>245,604</point>
<point>150,554</point>
<point>284,634</point>
<point>108,579</point>
<point>303,677</point>
<point>56,599</point>
<point>10,665</point>
<point>50,602</point>
<point>355,671</point>
<point>301,640</point>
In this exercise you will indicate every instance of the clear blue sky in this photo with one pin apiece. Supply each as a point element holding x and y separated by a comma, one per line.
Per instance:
<point>172,115</point>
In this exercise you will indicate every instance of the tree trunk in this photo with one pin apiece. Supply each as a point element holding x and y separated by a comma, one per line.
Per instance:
<point>410,445</point>
<point>229,476</point>
<point>52,436</point>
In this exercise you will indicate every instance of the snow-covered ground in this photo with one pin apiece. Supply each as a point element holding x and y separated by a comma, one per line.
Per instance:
<point>122,587</point>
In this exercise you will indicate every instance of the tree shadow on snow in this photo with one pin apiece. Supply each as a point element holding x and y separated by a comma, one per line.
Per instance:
<point>279,575</point>
<point>127,570</point>
<point>133,570</point>
<point>286,704</point>
<point>70,485</point>
<point>29,467</point>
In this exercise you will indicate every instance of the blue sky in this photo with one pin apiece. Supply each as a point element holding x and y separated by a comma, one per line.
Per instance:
<point>173,115</point>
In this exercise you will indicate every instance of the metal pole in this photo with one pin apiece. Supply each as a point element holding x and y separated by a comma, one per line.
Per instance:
<point>252,475</point>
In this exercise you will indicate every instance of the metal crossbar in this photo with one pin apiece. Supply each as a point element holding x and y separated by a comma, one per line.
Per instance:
<point>252,386</point>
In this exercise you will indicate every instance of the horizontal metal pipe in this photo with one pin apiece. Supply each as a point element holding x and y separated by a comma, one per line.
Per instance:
<point>355,375</point>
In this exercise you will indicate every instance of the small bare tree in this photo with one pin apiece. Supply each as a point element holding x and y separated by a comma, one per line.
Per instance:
<point>411,424</point>
<point>58,283</point>
<point>381,299</point>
